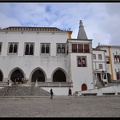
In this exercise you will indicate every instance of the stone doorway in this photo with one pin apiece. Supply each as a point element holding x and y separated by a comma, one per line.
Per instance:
<point>84,87</point>
<point>38,76</point>
<point>59,76</point>
<point>17,76</point>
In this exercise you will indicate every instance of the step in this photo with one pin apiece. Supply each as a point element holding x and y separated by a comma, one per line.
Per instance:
<point>89,94</point>
<point>108,93</point>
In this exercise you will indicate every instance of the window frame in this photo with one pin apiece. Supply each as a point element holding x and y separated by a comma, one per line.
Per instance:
<point>99,56</point>
<point>100,66</point>
<point>29,48</point>
<point>94,56</point>
<point>83,63</point>
<point>13,48</point>
<point>46,51</point>
<point>80,48</point>
<point>60,47</point>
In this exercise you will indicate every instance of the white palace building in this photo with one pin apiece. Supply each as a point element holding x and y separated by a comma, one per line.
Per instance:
<point>50,58</point>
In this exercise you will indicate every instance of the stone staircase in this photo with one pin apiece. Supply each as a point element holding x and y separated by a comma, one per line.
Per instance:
<point>100,83</point>
<point>23,91</point>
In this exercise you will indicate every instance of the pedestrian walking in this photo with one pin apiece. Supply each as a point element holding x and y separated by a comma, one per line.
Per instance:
<point>51,94</point>
<point>69,92</point>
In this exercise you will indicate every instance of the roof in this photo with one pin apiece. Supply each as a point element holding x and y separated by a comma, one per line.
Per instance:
<point>96,49</point>
<point>32,28</point>
<point>113,46</point>
<point>81,32</point>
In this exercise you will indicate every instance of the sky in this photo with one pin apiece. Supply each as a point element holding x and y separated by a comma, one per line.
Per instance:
<point>101,20</point>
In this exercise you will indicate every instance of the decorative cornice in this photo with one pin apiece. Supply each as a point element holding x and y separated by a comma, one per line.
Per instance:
<point>16,28</point>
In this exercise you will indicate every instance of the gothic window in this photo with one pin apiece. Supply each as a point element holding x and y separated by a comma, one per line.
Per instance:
<point>10,48</point>
<point>29,48</point>
<point>13,48</point>
<point>61,48</point>
<point>81,62</point>
<point>58,49</point>
<point>26,49</point>
<point>45,48</point>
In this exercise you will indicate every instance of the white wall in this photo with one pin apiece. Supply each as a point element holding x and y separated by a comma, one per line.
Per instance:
<point>96,61</point>
<point>27,63</point>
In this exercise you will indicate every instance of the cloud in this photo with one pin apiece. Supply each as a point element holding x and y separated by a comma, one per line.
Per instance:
<point>7,21</point>
<point>100,20</point>
<point>111,24</point>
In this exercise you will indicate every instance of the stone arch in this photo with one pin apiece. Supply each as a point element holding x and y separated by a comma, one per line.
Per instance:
<point>59,75</point>
<point>16,74</point>
<point>84,87</point>
<point>38,75</point>
<point>1,76</point>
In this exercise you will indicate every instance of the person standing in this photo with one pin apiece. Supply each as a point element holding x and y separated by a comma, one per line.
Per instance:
<point>8,82</point>
<point>70,92</point>
<point>51,94</point>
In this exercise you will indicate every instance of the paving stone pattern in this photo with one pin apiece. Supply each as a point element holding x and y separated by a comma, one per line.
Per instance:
<point>60,106</point>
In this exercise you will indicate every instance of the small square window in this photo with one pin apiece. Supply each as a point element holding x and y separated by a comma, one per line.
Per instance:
<point>94,56</point>
<point>99,56</point>
<point>81,61</point>
<point>100,66</point>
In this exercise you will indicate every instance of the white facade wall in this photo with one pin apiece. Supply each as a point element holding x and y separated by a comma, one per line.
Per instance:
<point>43,37</point>
<point>97,61</point>
<point>81,75</point>
<point>115,66</point>
<point>28,63</point>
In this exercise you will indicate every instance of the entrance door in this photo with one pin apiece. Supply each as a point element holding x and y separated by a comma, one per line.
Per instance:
<point>84,87</point>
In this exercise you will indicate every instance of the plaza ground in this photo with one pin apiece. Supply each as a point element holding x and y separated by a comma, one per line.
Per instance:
<point>60,106</point>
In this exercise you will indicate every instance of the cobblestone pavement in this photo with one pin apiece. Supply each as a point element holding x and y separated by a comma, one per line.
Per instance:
<point>61,106</point>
